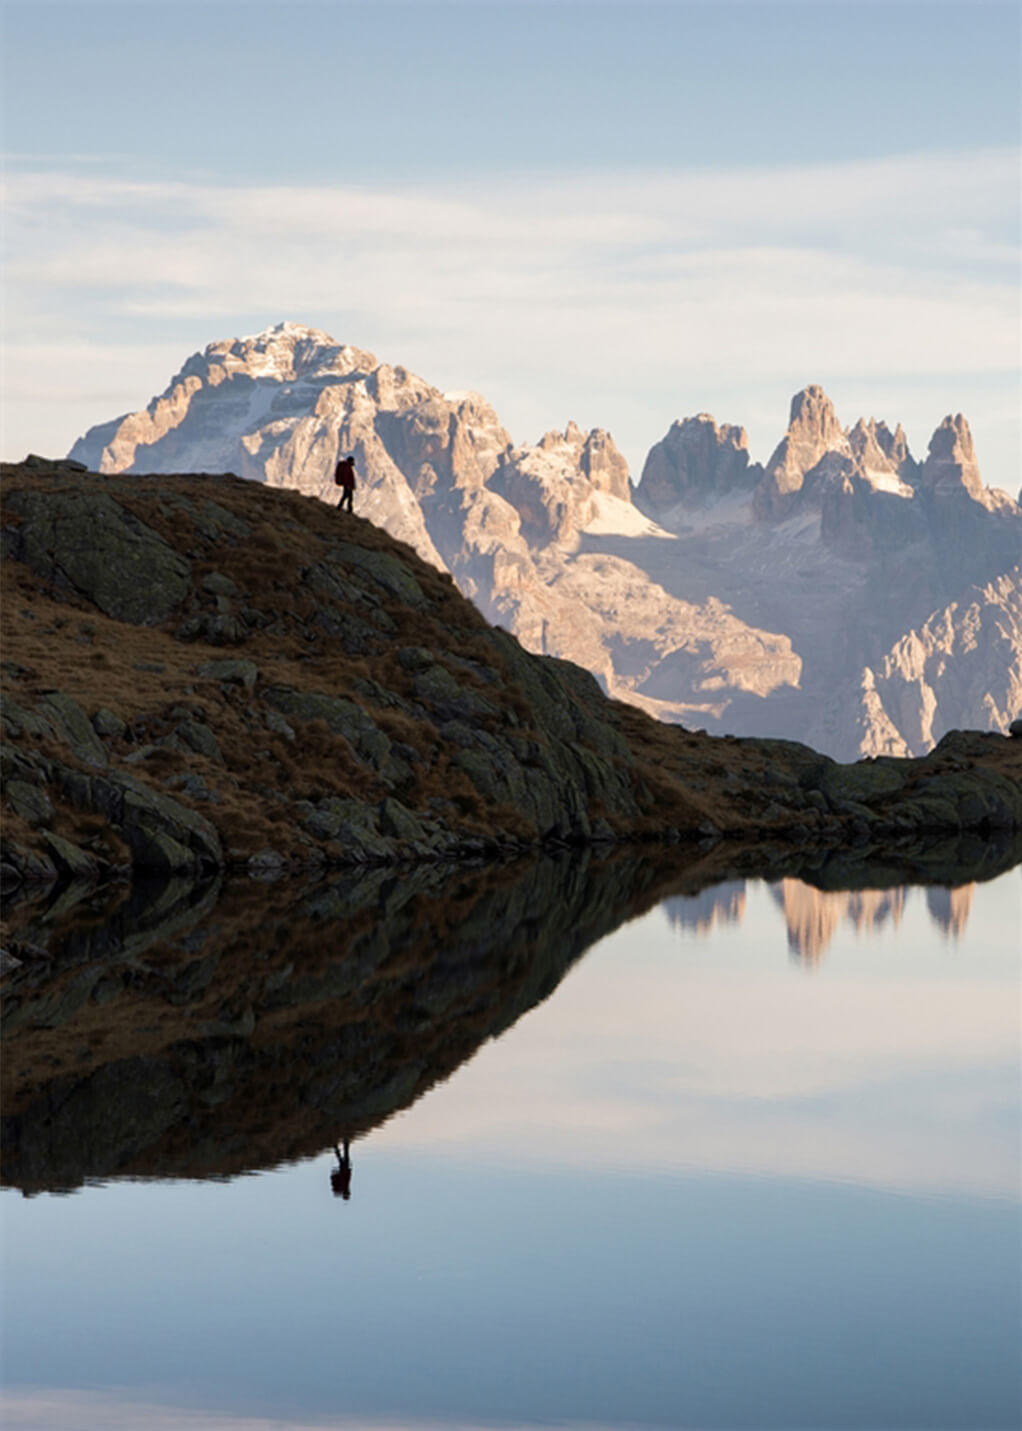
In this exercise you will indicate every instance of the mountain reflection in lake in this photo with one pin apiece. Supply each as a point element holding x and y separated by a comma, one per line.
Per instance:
<point>752,1161</point>
<point>813,915</point>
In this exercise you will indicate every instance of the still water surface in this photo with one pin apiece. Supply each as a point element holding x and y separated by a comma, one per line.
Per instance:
<point>755,1162</point>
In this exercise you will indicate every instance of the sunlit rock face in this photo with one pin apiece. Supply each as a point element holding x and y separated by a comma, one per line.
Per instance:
<point>951,461</point>
<point>695,463</point>
<point>881,455</point>
<point>555,485</point>
<point>814,437</point>
<point>845,594</point>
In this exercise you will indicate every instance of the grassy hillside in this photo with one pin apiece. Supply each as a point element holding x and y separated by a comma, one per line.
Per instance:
<point>201,672</point>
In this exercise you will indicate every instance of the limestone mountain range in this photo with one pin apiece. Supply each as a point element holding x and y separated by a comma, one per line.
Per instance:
<point>846,593</point>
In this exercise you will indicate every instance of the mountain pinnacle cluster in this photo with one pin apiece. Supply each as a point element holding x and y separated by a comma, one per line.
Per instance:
<point>845,593</point>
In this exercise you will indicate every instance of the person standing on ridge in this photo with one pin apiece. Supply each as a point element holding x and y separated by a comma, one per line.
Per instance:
<point>344,477</point>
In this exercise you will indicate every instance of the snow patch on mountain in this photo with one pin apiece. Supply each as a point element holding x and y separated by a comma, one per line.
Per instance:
<point>614,517</point>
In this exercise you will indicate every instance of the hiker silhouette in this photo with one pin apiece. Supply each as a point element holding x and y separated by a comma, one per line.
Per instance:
<point>340,1177</point>
<point>344,477</point>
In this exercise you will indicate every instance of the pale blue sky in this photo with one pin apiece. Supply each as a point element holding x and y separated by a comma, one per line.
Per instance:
<point>613,213</point>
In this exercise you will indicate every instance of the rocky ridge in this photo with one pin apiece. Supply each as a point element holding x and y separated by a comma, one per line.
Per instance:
<point>766,593</point>
<point>202,672</point>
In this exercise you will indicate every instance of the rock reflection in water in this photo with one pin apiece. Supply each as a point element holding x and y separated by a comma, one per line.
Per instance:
<point>951,908</point>
<point>198,1033</point>
<point>194,1031</point>
<point>813,916</point>
<point>723,904</point>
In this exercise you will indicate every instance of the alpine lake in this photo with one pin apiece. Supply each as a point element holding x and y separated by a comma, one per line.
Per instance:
<point>588,1142</point>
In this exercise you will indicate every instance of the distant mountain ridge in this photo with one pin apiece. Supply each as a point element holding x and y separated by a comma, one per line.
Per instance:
<point>844,593</point>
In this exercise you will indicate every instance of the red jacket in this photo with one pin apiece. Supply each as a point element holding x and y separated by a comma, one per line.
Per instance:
<point>344,473</point>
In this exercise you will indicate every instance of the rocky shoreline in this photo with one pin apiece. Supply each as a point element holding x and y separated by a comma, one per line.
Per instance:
<point>202,673</point>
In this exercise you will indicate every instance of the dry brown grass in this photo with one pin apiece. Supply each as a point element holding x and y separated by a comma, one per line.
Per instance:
<point>62,642</point>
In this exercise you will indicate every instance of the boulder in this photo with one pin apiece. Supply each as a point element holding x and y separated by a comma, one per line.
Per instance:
<point>31,802</point>
<point>236,672</point>
<point>74,727</point>
<point>197,736</point>
<point>383,569</point>
<point>17,720</point>
<point>343,717</point>
<point>353,827</point>
<point>108,725</point>
<point>161,833</point>
<point>70,860</point>
<point>861,783</point>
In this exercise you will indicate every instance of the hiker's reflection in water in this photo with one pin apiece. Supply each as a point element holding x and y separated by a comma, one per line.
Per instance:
<point>340,1177</point>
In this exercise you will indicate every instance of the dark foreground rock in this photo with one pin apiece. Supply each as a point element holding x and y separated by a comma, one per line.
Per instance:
<point>364,713</point>
<point>204,1029</point>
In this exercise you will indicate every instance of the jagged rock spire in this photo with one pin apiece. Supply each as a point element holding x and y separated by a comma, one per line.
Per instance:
<point>694,462</point>
<point>813,432</point>
<point>951,461</point>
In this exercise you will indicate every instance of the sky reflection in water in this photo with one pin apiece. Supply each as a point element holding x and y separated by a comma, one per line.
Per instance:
<point>755,1163</point>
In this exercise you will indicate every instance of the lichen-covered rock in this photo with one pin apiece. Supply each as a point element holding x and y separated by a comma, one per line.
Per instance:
<point>354,828</point>
<point>31,802</point>
<point>862,782</point>
<point>343,717</point>
<point>385,570</point>
<point>276,722</point>
<point>161,833</point>
<point>88,542</point>
<point>219,585</point>
<point>73,726</point>
<point>108,725</point>
<point>447,699</point>
<point>196,735</point>
<point>17,720</point>
<point>399,822</point>
<point>70,860</point>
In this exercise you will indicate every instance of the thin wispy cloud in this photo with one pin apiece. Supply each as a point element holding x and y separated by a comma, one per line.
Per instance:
<point>594,296</point>
<point>85,1410</point>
